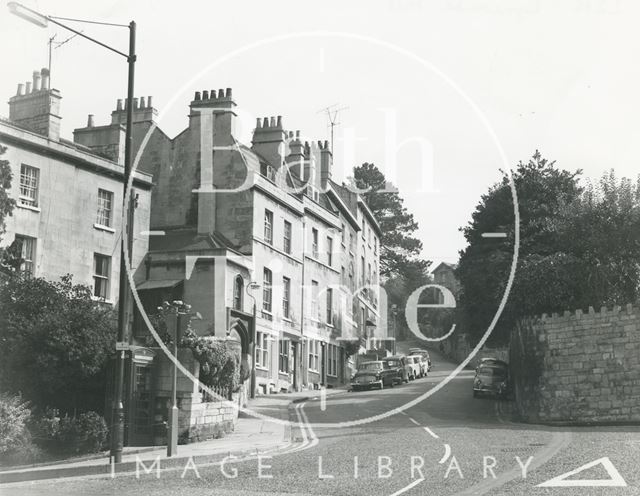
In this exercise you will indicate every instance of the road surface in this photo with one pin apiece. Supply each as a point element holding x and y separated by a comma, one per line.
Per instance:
<point>448,444</point>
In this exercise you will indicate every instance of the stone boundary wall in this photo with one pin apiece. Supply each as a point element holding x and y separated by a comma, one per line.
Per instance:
<point>197,420</point>
<point>578,367</point>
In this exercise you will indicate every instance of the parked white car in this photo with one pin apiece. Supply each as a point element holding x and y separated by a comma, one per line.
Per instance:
<point>415,362</point>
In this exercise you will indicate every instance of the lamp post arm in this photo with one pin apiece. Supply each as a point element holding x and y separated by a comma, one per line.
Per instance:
<point>79,33</point>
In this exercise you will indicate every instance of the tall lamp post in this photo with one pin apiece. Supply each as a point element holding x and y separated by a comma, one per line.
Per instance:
<point>42,20</point>
<point>250,287</point>
<point>181,311</point>
<point>394,312</point>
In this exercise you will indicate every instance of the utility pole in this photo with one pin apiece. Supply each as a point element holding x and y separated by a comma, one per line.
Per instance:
<point>332,112</point>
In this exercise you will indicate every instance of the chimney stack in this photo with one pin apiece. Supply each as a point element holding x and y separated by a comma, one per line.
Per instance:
<point>326,164</point>
<point>222,106</point>
<point>269,141</point>
<point>295,157</point>
<point>45,78</point>
<point>37,107</point>
<point>142,111</point>
<point>90,120</point>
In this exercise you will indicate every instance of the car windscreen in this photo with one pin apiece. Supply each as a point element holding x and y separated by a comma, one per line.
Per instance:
<point>370,366</point>
<point>492,371</point>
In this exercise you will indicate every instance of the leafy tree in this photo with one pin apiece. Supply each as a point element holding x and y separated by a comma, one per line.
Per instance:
<point>483,270</point>
<point>55,341</point>
<point>6,204</point>
<point>399,249</point>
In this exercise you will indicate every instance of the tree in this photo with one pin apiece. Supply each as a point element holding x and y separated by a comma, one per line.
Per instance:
<point>55,341</point>
<point>399,249</point>
<point>6,204</point>
<point>483,270</point>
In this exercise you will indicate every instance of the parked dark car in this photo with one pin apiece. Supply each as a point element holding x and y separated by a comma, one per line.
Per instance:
<point>492,377</point>
<point>373,374</point>
<point>400,365</point>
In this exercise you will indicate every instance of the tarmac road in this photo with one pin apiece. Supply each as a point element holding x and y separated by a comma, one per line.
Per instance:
<point>448,444</point>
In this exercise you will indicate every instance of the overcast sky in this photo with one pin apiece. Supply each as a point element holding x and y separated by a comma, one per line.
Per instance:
<point>563,77</point>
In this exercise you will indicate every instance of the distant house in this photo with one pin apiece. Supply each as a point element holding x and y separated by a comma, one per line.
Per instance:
<point>444,275</point>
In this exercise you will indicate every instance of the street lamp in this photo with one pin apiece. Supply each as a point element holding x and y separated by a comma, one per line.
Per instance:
<point>42,20</point>
<point>394,312</point>
<point>250,287</point>
<point>181,310</point>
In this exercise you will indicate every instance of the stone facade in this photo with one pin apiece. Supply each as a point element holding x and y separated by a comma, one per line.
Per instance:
<point>578,367</point>
<point>215,197</point>
<point>60,214</point>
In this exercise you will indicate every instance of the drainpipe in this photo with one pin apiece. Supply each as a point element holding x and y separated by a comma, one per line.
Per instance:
<point>303,362</point>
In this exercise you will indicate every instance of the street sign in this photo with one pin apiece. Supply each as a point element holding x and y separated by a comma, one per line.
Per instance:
<point>122,346</point>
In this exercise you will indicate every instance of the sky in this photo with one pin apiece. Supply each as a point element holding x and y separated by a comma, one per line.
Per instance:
<point>440,95</point>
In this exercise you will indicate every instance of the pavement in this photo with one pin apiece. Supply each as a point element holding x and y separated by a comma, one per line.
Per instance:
<point>430,436</point>
<point>251,436</point>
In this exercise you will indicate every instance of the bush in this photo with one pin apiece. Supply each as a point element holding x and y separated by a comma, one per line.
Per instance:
<point>14,414</point>
<point>15,440</point>
<point>86,433</point>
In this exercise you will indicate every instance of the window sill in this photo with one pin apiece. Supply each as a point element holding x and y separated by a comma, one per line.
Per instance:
<point>260,367</point>
<point>100,227</point>
<point>28,207</point>
<point>332,375</point>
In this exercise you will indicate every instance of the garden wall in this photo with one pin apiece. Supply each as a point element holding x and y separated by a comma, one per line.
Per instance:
<point>201,416</point>
<point>578,367</point>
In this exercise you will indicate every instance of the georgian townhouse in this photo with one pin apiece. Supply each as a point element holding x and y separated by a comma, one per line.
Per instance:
<point>68,213</point>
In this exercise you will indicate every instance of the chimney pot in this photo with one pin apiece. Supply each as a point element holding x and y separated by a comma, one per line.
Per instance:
<point>135,103</point>
<point>36,80</point>
<point>197,96</point>
<point>205,95</point>
<point>126,103</point>
<point>228,92</point>
<point>326,144</point>
<point>297,134</point>
<point>265,122</point>
<point>44,72</point>
<point>272,122</point>
<point>90,120</point>
<point>257,122</point>
<point>20,89</point>
<point>220,93</point>
<point>149,102</point>
<point>143,103</point>
<point>119,104</point>
<point>27,87</point>
<point>279,121</point>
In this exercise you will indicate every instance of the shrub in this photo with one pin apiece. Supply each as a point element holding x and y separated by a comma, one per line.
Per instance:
<point>15,440</point>
<point>86,433</point>
<point>14,414</point>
